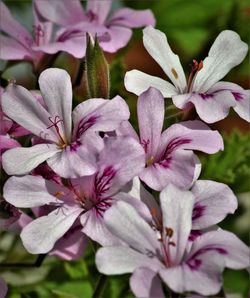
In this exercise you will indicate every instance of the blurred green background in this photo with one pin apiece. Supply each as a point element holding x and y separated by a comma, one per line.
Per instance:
<point>191,27</point>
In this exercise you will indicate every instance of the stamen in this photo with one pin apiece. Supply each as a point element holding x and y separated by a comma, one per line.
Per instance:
<point>38,33</point>
<point>150,161</point>
<point>195,67</point>
<point>58,194</point>
<point>55,124</point>
<point>174,72</point>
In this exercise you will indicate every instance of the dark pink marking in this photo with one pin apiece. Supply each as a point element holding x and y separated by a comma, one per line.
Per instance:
<point>103,181</point>
<point>166,157</point>
<point>198,211</point>
<point>206,96</point>
<point>194,234</point>
<point>92,16</point>
<point>194,264</point>
<point>70,34</point>
<point>101,206</point>
<point>238,96</point>
<point>74,146</point>
<point>85,124</point>
<point>145,144</point>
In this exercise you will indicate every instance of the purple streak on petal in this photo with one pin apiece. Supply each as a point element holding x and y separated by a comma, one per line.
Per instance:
<point>70,34</point>
<point>165,158</point>
<point>92,17</point>
<point>194,264</point>
<point>85,124</point>
<point>145,144</point>
<point>205,96</point>
<point>194,234</point>
<point>238,96</point>
<point>198,211</point>
<point>102,182</point>
<point>74,146</point>
<point>102,206</point>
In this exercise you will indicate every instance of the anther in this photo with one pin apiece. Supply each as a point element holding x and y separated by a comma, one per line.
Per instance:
<point>58,194</point>
<point>174,72</point>
<point>169,232</point>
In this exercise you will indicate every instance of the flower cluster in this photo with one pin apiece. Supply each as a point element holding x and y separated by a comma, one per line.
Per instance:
<point>87,175</point>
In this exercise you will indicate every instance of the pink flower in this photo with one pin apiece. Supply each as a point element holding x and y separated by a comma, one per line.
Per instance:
<point>113,31</point>
<point>164,252</point>
<point>212,99</point>
<point>62,147</point>
<point>85,199</point>
<point>169,155</point>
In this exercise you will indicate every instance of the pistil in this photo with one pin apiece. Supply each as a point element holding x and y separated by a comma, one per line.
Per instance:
<point>55,122</point>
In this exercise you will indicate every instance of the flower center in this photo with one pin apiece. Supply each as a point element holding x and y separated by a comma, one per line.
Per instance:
<point>195,67</point>
<point>167,243</point>
<point>62,143</point>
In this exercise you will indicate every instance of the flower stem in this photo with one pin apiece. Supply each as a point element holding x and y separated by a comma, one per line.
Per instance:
<point>37,263</point>
<point>100,286</point>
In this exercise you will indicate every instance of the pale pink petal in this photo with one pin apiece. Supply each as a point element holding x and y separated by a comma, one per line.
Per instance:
<point>137,82</point>
<point>145,282</point>
<point>13,50</point>
<point>121,219</point>
<point>126,129</point>
<point>99,115</point>
<point>157,45</point>
<point>40,235</point>
<point>72,245</point>
<point>117,38</point>
<point>213,106</point>
<point>150,113</point>
<point>177,207</point>
<point>94,228</point>
<point>227,51</point>
<point>62,12</point>
<point>178,170</point>
<point>241,96</point>
<point>115,260</point>
<point>28,192</point>
<point>100,9</point>
<point>206,279</point>
<point>193,135</point>
<point>227,245</point>
<point>3,288</point>
<point>21,106</point>
<point>131,18</point>
<point>120,161</point>
<point>56,89</point>
<point>213,201</point>
<point>10,26</point>
<point>6,143</point>
<point>20,161</point>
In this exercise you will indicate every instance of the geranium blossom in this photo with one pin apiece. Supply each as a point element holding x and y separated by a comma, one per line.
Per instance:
<point>19,44</point>
<point>169,156</point>
<point>165,253</point>
<point>113,31</point>
<point>212,99</point>
<point>85,198</point>
<point>62,147</point>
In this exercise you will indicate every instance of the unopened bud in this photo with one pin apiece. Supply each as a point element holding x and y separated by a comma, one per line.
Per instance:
<point>97,70</point>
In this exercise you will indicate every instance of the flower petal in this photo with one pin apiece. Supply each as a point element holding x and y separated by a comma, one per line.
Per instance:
<point>56,89</point>
<point>131,18</point>
<point>193,135</point>
<point>20,161</point>
<point>150,113</point>
<point>157,45</point>
<point>144,282</point>
<point>99,8</point>
<point>177,208</point>
<point>137,82</point>
<point>122,218</point>
<point>206,279</point>
<point>13,50</point>
<point>94,228</point>
<point>40,235</point>
<point>99,115</point>
<point>213,201</point>
<point>121,259</point>
<point>21,106</point>
<point>13,28</point>
<point>28,192</point>
<point>121,160</point>
<point>3,288</point>
<point>61,12</point>
<point>180,170</point>
<point>227,51</point>
<point>225,244</point>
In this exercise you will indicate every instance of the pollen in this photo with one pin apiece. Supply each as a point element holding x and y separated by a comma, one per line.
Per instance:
<point>174,72</point>
<point>150,161</point>
<point>58,194</point>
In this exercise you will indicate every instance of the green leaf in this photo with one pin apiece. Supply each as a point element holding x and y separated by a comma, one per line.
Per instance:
<point>77,269</point>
